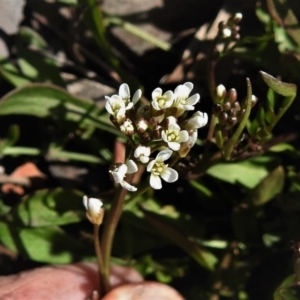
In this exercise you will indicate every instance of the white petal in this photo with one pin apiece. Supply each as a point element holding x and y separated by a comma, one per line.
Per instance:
<point>155,182</point>
<point>85,202</point>
<point>174,146</point>
<point>183,136</point>
<point>124,91</point>
<point>170,96</point>
<point>150,165</point>
<point>174,126</point>
<point>156,93</point>
<point>136,97</point>
<point>144,159</point>
<point>127,186</point>
<point>132,167</point>
<point>172,120</point>
<point>193,99</point>
<point>188,107</point>
<point>164,155</point>
<point>169,175</point>
<point>95,205</point>
<point>129,106</point>
<point>189,86</point>
<point>138,151</point>
<point>119,173</point>
<point>180,91</point>
<point>108,107</point>
<point>164,136</point>
<point>116,99</point>
<point>155,105</point>
<point>192,139</point>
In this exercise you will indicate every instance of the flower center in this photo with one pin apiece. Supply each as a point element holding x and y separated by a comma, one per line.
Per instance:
<point>161,100</point>
<point>172,135</point>
<point>158,168</point>
<point>126,100</point>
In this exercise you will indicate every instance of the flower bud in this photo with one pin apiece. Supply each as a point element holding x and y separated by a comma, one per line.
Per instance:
<point>217,109</point>
<point>226,33</point>
<point>94,210</point>
<point>232,121</point>
<point>142,125</point>
<point>223,117</point>
<point>221,92</point>
<point>232,95</point>
<point>237,18</point>
<point>254,100</point>
<point>237,106</point>
<point>227,106</point>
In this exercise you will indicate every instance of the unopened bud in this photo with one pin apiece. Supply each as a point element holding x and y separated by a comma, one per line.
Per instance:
<point>217,109</point>
<point>226,33</point>
<point>237,18</point>
<point>232,95</point>
<point>236,105</point>
<point>227,106</point>
<point>232,121</point>
<point>223,117</point>
<point>221,92</point>
<point>94,210</point>
<point>233,112</point>
<point>254,100</point>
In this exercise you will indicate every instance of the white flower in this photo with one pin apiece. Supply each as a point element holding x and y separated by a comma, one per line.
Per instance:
<point>198,120</point>
<point>119,172</point>
<point>173,136</point>
<point>116,107</point>
<point>94,210</point>
<point>158,169</point>
<point>182,100</point>
<point>124,94</point>
<point>127,127</point>
<point>142,153</point>
<point>161,101</point>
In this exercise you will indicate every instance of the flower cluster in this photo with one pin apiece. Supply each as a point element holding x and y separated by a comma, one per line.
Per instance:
<point>161,125</point>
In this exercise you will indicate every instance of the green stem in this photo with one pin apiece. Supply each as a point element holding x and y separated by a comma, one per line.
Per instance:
<point>139,192</point>
<point>104,286</point>
<point>229,146</point>
<point>111,224</point>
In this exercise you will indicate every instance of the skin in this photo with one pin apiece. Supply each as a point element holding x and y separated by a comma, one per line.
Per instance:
<point>78,281</point>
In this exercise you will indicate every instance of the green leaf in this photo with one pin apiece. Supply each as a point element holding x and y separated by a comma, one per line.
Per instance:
<point>12,74</point>
<point>52,245</point>
<point>34,65</point>
<point>248,173</point>
<point>28,36</point>
<point>284,16</point>
<point>46,100</point>
<point>7,236</point>
<point>268,188</point>
<point>69,2</point>
<point>282,88</point>
<point>51,207</point>
<point>282,147</point>
<point>284,291</point>
<point>11,138</point>
<point>204,258</point>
